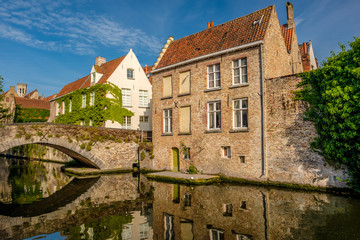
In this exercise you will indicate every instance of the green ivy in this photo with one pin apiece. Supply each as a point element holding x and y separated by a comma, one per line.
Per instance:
<point>30,114</point>
<point>104,108</point>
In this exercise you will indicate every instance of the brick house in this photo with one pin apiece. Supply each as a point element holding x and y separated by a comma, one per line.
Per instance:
<point>209,100</point>
<point>124,72</point>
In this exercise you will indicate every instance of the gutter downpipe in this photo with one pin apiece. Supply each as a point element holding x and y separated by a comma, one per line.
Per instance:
<point>262,112</point>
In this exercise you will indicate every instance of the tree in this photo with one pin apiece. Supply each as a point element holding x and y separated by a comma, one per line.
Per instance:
<point>3,111</point>
<point>333,96</point>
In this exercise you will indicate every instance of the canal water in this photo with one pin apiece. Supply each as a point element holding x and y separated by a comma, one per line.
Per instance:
<point>38,201</point>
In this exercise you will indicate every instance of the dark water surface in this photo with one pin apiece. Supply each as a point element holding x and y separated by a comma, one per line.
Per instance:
<point>37,201</point>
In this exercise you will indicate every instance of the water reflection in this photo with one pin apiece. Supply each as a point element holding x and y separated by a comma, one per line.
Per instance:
<point>128,207</point>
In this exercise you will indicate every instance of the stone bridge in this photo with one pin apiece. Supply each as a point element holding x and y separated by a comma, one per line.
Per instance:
<point>101,148</point>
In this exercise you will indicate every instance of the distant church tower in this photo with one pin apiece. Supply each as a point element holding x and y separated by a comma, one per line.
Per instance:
<point>21,89</point>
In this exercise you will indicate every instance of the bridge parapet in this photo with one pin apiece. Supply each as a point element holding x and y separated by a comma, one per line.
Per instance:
<point>101,148</point>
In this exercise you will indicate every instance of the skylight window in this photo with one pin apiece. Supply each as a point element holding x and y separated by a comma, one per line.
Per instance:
<point>258,21</point>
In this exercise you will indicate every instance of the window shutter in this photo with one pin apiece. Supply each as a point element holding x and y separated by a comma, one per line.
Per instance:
<point>185,82</point>
<point>167,87</point>
<point>185,119</point>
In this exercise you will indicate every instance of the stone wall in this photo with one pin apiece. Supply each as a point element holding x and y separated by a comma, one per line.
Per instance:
<point>288,153</point>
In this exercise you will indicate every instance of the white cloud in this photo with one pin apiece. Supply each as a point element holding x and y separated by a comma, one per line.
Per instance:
<point>53,26</point>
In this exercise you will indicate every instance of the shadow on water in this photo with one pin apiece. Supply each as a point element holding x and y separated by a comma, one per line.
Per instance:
<point>59,199</point>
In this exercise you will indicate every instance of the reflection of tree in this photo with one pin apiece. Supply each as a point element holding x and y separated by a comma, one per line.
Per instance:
<point>25,180</point>
<point>105,228</point>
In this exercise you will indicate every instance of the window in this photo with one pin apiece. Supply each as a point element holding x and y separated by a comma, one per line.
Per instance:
<point>167,121</point>
<point>169,230</point>
<point>227,211</point>
<point>184,82</point>
<point>185,119</point>
<point>93,77</point>
<point>91,122</point>
<point>216,234</point>
<point>7,99</point>
<point>214,115</point>
<point>167,86</point>
<point>57,109</point>
<point>126,97</point>
<point>126,232</point>
<point>240,71</point>
<point>82,123</point>
<point>92,98</point>
<point>63,107</point>
<point>83,102</point>
<point>244,237</point>
<point>126,122</point>
<point>143,98</point>
<point>242,159</point>
<point>187,200</point>
<point>70,105</point>
<point>240,113</point>
<point>130,73</point>
<point>214,76</point>
<point>226,152</point>
<point>144,119</point>
<point>186,152</point>
<point>243,205</point>
<point>144,229</point>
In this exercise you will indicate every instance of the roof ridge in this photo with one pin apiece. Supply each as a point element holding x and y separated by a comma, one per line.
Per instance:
<point>217,26</point>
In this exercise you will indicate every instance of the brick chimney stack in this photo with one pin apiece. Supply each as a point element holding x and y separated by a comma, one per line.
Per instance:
<point>100,61</point>
<point>210,24</point>
<point>290,15</point>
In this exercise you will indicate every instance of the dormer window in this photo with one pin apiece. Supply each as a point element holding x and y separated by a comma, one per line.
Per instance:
<point>130,73</point>
<point>93,77</point>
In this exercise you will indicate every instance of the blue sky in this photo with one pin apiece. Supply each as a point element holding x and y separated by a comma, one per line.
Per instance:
<point>49,43</point>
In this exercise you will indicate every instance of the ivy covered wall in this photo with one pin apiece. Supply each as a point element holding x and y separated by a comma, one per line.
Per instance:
<point>103,109</point>
<point>23,115</point>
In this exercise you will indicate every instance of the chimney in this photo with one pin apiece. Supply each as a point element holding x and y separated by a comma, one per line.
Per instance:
<point>305,47</point>
<point>100,61</point>
<point>290,15</point>
<point>212,23</point>
<point>209,25</point>
<point>145,68</point>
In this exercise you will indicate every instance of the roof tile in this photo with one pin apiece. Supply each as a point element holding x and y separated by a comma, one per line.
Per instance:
<point>32,103</point>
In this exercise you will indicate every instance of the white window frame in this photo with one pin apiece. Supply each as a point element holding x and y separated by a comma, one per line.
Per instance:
<point>63,107</point>
<point>57,109</point>
<point>70,105</point>
<point>126,122</point>
<point>126,97</point>
<point>243,111</point>
<point>143,98</point>
<point>83,101</point>
<point>92,98</point>
<point>82,123</point>
<point>217,232</point>
<point>213,113</point>
<point>167,120</point>
<point>130,73</point>
<point>240,65</point>
<point>93,77</point>
<point>213,76</point>
<point>91,122</point>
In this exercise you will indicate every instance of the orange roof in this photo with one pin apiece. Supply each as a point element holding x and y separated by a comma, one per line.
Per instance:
<point>148,69</point>
<point>50,97</point>
<point>106,69</point>
<point>32,103</point>
<point>234,33</point>
<point>288,35</point>
<point>29,94</point>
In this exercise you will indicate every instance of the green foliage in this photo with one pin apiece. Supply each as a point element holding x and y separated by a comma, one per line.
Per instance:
<point>333,94</point>
<point>142,155</point>
<point>30,115</point>
<point>3,111</point>
<point>104,108</point>
<point>192,169</point>
<point>82,146</point>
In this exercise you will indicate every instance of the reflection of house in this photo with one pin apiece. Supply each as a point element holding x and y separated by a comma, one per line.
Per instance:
<point>140,228</point>
<point>124,72</point>
<point>34,106</point>
<point>208,90</point>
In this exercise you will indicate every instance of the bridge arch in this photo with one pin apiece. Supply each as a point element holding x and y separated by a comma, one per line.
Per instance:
<point>71,149</point>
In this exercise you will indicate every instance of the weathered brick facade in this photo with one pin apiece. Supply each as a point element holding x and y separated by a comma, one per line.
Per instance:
<point>252,148</point>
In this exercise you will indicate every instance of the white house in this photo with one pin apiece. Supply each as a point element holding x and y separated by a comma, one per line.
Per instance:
<point>124,72</point>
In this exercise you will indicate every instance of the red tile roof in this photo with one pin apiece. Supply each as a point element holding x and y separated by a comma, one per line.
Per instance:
<point>234,33</point>
<point>29,94</point>
<point>32,103</point>
<point>50,97</point>
<point>147,70</point>
<point>288,35</point>
<point>106,69</point>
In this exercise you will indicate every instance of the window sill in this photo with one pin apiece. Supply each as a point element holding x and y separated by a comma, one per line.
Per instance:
<point>184,94</point>
<point>239,85</point>
<point>163,98</point>
<point>167,134</point>
<point>239,130</point>
<point>212,89</point>
<point>144,107</point>
<point>127,106</point>
<point>213,131</point>
<point>184,133</point>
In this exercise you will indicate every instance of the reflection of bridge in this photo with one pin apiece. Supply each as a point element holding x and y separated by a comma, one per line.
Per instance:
<point>91,199</point>
<point>97,147</point>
